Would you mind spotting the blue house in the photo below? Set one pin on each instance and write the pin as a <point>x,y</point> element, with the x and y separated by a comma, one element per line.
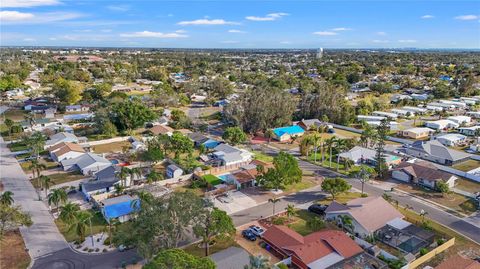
<point>120,207</point>
<point>286,133</point>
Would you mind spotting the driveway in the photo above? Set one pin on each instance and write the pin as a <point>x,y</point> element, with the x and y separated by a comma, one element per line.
<point>240,201</point>
<point>42,237</point>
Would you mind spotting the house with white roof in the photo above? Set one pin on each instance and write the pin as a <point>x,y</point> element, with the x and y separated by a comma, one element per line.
<point>416,133</point>
<point>470,131</point>
<point>87,163</point>
<point>61,137</point>
<point>385,114</point>
<point>231,155</point>
<point>403,112</point>
<point>474,114</point>
<point>451,140</point>
<point>441,124</point>
<point>460,119</point>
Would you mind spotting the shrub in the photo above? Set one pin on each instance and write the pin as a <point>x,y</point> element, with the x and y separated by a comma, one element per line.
<point>282,266</point>
<point>440,241</point>
<point>104,250</point>
<point>279,220</point>
<point>85,249</point>
<point>423,251</point>
<point>106,241</point>
<point>364,195</point>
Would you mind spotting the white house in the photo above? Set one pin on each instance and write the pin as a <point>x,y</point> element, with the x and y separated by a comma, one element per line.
<point>470,131</point>
<point>62,137</point>
<point>441,124</point>
<point>416,110</point>
<point>231,155</point>
<point>64,151</point>
<point>370,118</point>
<point>173,171</point>
<point>474,114</point>
<point>451,140</point>
<point>87,163</point>
<point>460,119</point>
<point>403,113</point>
<point>385,114</point>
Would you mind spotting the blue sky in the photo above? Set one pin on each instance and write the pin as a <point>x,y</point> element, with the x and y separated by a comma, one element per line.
<point>241,24</point>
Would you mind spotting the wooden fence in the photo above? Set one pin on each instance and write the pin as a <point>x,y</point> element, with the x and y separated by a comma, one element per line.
<point>417,262</point>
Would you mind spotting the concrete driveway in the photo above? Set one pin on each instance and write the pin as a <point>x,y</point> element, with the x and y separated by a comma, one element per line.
<point>42,237</point>
<point>240,202</point>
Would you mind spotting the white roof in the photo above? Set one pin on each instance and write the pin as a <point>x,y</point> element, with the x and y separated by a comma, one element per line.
<point>399,223</point>
<point>419,130</point>
<point>460,118</point>
<point>452,137</point>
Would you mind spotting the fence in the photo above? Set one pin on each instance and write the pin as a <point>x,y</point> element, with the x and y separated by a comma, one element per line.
<point>391,138</point>
<point>222,169</point>
<point>417,262</point>
<point>459,173</point>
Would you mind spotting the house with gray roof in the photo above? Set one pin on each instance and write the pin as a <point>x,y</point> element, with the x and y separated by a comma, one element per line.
<point>231,155</point>
<point>87,164</point>
<point>436,152</point>
<point>61,137</point>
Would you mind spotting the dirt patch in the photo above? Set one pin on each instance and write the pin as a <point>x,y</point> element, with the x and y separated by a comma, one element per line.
<point>12,252</point>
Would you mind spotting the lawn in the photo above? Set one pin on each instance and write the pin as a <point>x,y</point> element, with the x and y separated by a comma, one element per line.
<point>467,185</point>
<point>98,225</point>
<point>300,220</point>
<point>112,147</point>
<point>262,156</point>
<point>212,180</point>
<point>307,182</point>
<point>342,198</point>
<point>49,165</point>
<point>326,163</point>
<point>346,134</point>
<point>15,114</point>
<point>467,165</point>
<point>198,250</point>
<point>17,146</point>
<point>454,201</point>
<point>13,253</point>
<point>61,178</point>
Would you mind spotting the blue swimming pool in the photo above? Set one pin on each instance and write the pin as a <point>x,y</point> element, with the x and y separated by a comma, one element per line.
<point>224,177</point>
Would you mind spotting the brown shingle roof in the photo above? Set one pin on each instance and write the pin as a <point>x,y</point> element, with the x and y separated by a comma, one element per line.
<point>423,170</point>
<point>313,246</point>
<point>68,147</point>
<point>161,129</point>
<point>458,262</point>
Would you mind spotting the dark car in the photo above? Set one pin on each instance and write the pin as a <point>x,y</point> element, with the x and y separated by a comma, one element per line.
<point>317,209</point>
<point>248,234</point>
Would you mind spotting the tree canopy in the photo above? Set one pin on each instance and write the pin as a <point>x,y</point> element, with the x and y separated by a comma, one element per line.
<point>178,259</point>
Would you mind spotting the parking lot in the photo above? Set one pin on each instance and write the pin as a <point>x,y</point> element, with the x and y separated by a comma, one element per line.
<point>237,201</point>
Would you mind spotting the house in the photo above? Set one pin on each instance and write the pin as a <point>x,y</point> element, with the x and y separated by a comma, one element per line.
<point>320,249</point>
<point>441,124</point>
<point>419,97</point>
<point>459,262</point>
<point>62,137</point>
<point>451,139</point>
<point>229,155</point>
<point>422,173</point>
<point>368,214</point>
<point>120,208</point>
<point>161,129</point>
<point>65,150</point>
<point>385,114</point>
<point>460,119</point>
<point>403,112</point>
<point>49,113</point>
<point>77,108</point>
<point>286,133</point>
<point>370,118</point>
<point>416,110</point>
<point>393,125</point>
<point>416,133</point>
<point>197,138</point>
<point>87,163</point>
<point>311,124</point>
<point>436,152</point>
<point>231,258</point>
<point>104,182</point>
<point>173,171</point>
<point>474,114</point>
<point>470,131</point>
<point>45,124</point>
<point>359,155</point>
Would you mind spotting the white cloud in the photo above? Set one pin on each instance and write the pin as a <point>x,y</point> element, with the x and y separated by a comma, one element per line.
<point>467,17</point>
<point>341,29</point>
<point>119,8</point>
<point>285,42</point>
<point>148,34</point>
<point>407,41</point>
<point>427,17</point>
<point>380,41</point>
<point>29,39</point>
<point>12,16</point>
<point>52,38</point>
<point>325,33</point>
<point>207,22</point>
<point>15,17</point>
<point>268,17</point>
<point>28,3</point>
<point>230,42</point>
<point>235,31</point>
<point>381,33</point>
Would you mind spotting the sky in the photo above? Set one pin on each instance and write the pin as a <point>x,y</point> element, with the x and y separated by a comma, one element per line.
<point>241,24</point>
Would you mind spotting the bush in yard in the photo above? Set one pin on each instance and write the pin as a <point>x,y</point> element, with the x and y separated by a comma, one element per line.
<point>315,223</point>
<point>440,241</point>
<point>423,251</point>
<point>279,220</point>
<point>104,250</point>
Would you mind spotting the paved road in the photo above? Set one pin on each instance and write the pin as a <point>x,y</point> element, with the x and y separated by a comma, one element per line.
<point>43,236</point>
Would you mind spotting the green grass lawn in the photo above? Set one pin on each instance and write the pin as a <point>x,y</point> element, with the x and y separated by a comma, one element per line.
<point>262,156</point>
<point>467,165</point>
<point>49,165</point>
<point>112,147</point>
<point>342,198</point>
<point>61,178</point>
<point>17,146</point>
<point>212,180</point>
<point>98,225</point>
<point>326,163</point>
<point>467,185</point>
<point>300,220</point>
<point>221,244</point>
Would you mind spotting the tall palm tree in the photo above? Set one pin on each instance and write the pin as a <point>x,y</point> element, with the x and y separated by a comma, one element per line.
<point>258,262</point>
<point>340,147</point>
<point>124,173</point>
<point>330,143</point>
<point>135,173</point>
<point>6,198</point>
<point>316,139</point>
<point>269,135</point>
<point>68,212</point>
<point>46,183</point>
<point>57,197</point>
<point>290,209</point>
<point>305,145</point>
<point>364,176</point>
<point>80,224</point>
<point>36,167</point>
<point>36,142</point>
<point>274,200</point>
<point>423,213</point>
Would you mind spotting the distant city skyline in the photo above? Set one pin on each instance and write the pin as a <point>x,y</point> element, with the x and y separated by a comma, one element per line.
<point>241,24</point>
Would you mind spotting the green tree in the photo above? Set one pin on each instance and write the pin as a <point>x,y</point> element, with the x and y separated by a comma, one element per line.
<point>290,210</point>
<point>335,186</point>
<point>285,172</point>
<point>80,224</point>
<point>46,181</point>
<point>130,114</point>
<point>442,187</point>
<point>380,163</point>
<point>180,143</point>
<point>10,82</point>
<point>57,197</point>
<point>67,91</point>
<point>109,129</point>
<point>68,212</point>
<point>154,176</point>
<point>12,217</point>
<point>274,201</point>
<point>234,135</point>
<point>6,198</point>
<point>258,262</point>
<point>178,259</point>
<point>9,123</point>
<point>315,223</point>
<point>213,222</point>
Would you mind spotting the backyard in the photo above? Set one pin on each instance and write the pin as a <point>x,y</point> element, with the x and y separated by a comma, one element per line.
<point>114,147</point>
<point>300,223</point>
<point>467,165</point>
<point>98,225</point>
<point>212,180</point>
<point>60,178</point>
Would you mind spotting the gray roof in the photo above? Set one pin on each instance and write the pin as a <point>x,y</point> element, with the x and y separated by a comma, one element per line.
<point>435,148</point>
<point>197,137</point>
<point>226,148</point>
<point>173,167</point>
<point>231,258</point>
<point>60,137</point>
<point>85,160</point>
<point>98,184</point>
<point>117,200</point>
<point>108,173</point>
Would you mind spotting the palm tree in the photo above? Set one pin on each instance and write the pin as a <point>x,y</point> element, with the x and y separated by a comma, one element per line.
<point>316,138</point>
<point>80,223</point>
<point>6,198</point>
<point>347,222</point>
<point>274,200</point>
<point>57,197</point>
<point>119,189</point>
<point>9,123</point>
<point>305,145</point>
<point>340,146</point>
<point>68,212</point>
<point>154,177</point>
<point>269,134</point>
<point>36,167</point>
<point>258,262</point>
<point>30,119</point>
<point>364,177</point>
<point>135,173</point>
<point>290,209</point>
<point>36,142</point>
<point>46,183</point>
<point>124,173</point>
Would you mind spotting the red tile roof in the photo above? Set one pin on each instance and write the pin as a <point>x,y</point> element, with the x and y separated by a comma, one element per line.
<point>313,246</point>
<point>458,262</point>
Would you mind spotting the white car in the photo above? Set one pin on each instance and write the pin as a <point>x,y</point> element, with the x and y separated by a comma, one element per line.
<point>257,230</point>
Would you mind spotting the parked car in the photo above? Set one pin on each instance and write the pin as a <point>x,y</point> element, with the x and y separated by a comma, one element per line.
<point>317,209</point>
<point>248,234</point>
<point>257,230</point>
